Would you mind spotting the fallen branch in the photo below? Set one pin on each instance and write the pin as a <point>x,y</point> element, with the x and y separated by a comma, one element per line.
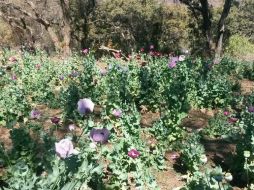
<point>109,49</point>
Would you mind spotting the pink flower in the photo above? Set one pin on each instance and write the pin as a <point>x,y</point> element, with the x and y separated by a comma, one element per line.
<point>133,153</point>
<point>173,62</point>
<point>117,113</point>
<point>85,51</point>
<point>64,148</point>
<point>38,66</point>
<point>152,53</point>
<point>13,77</point>
<point>151,46</point>
<point>142,49</point>
<point>117,55</point>
<point>71,127</point>
<point>158,54</point>
<point>13,59</point>
<point>226,113</point>
<point>181,57</point>
<point>232,120</point>
<point>174,155</point>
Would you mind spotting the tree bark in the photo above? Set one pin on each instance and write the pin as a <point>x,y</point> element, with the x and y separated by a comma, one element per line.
<point>207,24</point>
<point>221,30</point>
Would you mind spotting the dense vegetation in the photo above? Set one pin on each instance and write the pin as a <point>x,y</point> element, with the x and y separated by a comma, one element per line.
<point>106,147</point>
<point>100,94</point>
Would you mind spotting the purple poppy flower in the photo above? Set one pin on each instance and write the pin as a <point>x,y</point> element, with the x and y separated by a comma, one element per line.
<point>232,120</point>
<point>226,113</point>
<point>64,148</point>
<point>251,109</point>
<point>85,51</point>
<point>35,114</point>
<point>85,106</point>
<point>61,77</point>
<point>173,62</point>
<point>117,113</point>
<point>55,120</point>
<point>74,74</point>
<point>100,135</point>
<point>151,47</point>
<point>133,153</point>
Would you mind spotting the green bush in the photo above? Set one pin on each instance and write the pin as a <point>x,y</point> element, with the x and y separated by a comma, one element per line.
<point>134,24</point>
<point>240,47</point>
<point>241,19</point>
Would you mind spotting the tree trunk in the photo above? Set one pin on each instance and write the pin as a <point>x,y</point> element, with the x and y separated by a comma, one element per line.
<point>218,49</point>
<point>207,24</point>
<point>221,29</point>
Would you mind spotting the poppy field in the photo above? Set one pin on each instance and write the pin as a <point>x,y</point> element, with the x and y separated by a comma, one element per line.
<point>87,123</point>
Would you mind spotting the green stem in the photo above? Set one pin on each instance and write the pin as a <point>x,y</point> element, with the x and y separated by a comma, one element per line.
<point>219,186</point>
<point>57,180</point>
<point>82,131</point>
<point>247,172</point>
<point>6,157</point>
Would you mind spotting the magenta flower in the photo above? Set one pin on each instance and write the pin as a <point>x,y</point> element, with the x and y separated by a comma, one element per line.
<point>85,51</point>
<point>100,135</point>
<point>85,106</point>
<point>251,109</point>
<point>151,47</point>
<point>117,113</point>
<point>55,120</point>
<point>226,113</point>
<point>232,120</point>
<point>35,114</point>
<point>64,148</point>
<point>142,49</point>
<point>173,62</point>
<point>133,153</point>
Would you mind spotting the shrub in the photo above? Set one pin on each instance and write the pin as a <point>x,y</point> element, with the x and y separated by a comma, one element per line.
<point>240,47</point>
<point>134,24</point>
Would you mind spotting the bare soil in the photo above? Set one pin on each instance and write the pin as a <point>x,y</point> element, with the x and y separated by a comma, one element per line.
<point>247,86</point>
